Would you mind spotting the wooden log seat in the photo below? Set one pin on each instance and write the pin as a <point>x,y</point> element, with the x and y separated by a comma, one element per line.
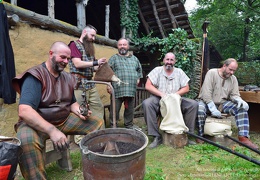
<point>175,140</point>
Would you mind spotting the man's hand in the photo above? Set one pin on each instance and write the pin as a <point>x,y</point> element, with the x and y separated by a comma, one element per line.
<point>241,104</point>
<point>213,110</point>
<point>85,117</point>
<point>101,61</point>
<point>109,90</point>
<point>59,139</point>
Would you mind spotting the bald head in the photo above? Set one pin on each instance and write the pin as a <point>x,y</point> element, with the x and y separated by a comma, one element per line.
<point>58,45</point>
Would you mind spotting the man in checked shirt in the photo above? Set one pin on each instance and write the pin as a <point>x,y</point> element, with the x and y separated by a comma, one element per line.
<point>129,70</point>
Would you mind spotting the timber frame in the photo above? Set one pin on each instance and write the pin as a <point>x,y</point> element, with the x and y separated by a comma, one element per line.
<point>158,17</point>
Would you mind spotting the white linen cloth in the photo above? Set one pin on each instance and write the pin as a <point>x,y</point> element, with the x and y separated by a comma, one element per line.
<point>170,107</point>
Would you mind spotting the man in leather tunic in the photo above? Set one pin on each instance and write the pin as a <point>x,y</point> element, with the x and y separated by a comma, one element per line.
<point>48,109</point>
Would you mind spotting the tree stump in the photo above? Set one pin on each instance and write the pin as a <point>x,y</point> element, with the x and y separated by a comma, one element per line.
<point>175,140</point>
<point>220,139</point>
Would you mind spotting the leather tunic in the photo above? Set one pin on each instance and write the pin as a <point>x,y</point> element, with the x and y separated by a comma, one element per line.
<point>56,96</point>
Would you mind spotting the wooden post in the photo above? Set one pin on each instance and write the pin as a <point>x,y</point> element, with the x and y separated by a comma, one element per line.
<point>51,12</point>
<point>205,53</point>
<point>107,21</point>
<point>81,13</point>
<point>14,2</point>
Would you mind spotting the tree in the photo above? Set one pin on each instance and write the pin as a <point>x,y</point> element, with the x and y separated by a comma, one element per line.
<point>233,26</point>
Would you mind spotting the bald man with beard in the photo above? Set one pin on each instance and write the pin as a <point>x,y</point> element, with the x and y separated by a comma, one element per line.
<point>48,109</point>
<point>129,70</point>
<point>161,81</point>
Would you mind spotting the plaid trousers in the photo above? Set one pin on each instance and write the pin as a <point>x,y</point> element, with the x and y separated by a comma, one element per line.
<point>32,142</point>
<point>241,117</point>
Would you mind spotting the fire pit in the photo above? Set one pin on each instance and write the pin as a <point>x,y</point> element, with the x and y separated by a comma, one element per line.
<point>113,154</point>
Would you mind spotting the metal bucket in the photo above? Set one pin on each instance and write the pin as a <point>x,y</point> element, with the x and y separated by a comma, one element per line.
<point>113,154</point>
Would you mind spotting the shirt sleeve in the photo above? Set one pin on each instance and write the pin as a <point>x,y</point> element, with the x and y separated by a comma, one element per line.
<point>207,87</point>
<point>75,53</point>
<point>31,92</point>
<point>184,79</point>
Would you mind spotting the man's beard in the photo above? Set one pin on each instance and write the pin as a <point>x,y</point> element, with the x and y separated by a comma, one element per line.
<point>89,46</point>
<point>226,75</point>
<point>55,65</point>
<point>123,51</point>
<point>168,66</point>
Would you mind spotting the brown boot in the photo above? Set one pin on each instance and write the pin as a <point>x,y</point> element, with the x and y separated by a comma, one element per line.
<point>247,142</point>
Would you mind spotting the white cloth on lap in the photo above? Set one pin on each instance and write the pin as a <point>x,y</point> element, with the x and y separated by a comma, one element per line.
<point>170,107</point>
<point>217,127</point>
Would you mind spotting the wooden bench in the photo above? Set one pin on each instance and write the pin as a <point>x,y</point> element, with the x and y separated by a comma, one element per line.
<point>62,158</point>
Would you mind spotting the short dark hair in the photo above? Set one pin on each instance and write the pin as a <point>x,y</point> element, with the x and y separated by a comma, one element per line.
<point>91,27</point>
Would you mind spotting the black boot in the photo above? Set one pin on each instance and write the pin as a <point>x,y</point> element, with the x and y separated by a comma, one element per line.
<point>156,142</point>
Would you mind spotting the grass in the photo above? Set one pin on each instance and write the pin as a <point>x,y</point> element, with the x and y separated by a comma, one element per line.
<point>197,162</point>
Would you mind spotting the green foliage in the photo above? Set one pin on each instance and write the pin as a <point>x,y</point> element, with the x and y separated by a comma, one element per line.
<point>248,73</point>
<point>176,42</point>
<point>233,27</point>
<point>183,48</point>
<point>129,17</point>
<point>154,173</point>
<point>147,43</point>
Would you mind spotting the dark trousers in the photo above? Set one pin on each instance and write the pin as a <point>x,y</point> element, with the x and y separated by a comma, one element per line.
<point>128,112</point>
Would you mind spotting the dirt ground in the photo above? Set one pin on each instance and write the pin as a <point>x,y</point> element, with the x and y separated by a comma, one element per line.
<point>31,46</point>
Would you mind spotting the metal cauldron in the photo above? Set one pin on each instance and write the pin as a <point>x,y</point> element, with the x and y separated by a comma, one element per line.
<point>114,154</point>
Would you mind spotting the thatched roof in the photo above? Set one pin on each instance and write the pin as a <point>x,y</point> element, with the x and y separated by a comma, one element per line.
<point>161,16</point>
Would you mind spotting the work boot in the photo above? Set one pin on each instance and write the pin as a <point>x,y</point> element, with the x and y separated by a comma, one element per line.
<point>156,142</point>
<point>246,141</point>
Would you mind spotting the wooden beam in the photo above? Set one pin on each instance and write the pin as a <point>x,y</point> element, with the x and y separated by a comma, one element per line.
<point>57,25</point>
<point>13,20</point>
<point>157,18</point>
<point>146,26</point>
<point>173,20</point>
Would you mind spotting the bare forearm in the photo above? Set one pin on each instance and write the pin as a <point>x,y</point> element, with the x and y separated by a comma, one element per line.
<point>154,91</point>
<point>33,119</point>
<point>183,90</point>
